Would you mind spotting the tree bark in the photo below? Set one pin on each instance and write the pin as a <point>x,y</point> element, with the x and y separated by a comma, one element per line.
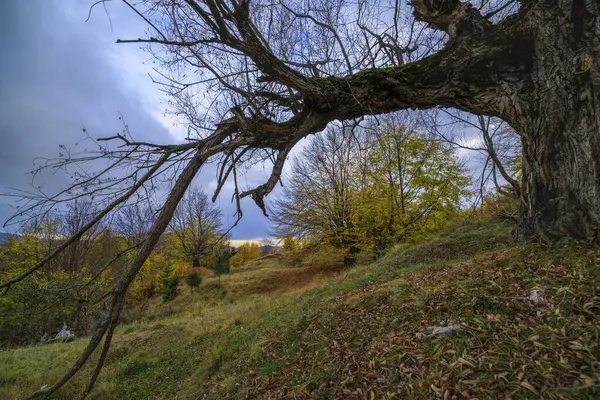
<point>560,125</point>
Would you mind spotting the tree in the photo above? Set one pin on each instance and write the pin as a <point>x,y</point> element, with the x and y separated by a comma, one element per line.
<point>296,87</point>
<point>219,263</point>
<point>319,197</point>
<point>197,225</point>
<point>289,244</point>
<point>193,280</point>
<point>60,225</point>
<point>133,222</point>
<point>69,289</point>
<point>489,136</point>
<point>266,75</point>
<point>412,184</point>
<point>369,188</point>
<point>245,253</point>
<point>168,289</point>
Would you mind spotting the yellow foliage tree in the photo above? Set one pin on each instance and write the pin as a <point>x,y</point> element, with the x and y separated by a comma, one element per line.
<point>289,244</point>
<point>370,189</point>
<point>246,252</point>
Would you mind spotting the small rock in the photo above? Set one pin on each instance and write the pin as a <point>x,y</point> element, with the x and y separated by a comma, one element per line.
<point>536,296</point>
<point>64,335</point>
<point>443,331</point>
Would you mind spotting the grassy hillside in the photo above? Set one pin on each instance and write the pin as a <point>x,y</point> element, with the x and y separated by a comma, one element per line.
<point>528,320</point>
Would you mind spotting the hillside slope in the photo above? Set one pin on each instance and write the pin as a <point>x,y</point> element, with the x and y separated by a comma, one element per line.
<point>527,321</point>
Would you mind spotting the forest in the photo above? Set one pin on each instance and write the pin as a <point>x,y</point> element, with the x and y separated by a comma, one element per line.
<point>392,135</point>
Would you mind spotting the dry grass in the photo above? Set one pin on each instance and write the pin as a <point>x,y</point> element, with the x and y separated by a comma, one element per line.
<point>321,332</point>
<point>154,330</point>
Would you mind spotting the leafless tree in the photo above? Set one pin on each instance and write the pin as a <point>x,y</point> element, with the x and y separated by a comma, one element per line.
<point>251,79</point>
<point>77,215</point>
<point>133,222</point>
<point>197,225</point>
<point>317,199</point>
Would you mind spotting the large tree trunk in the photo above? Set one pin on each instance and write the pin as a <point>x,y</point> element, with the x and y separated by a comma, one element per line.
<point>560,126</point>
<point>561,173</point>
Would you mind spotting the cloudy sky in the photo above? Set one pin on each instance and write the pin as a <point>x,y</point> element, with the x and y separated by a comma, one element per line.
<point>60,73</point>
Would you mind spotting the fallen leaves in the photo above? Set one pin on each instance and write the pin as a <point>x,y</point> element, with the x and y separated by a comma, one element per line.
<point>527,328</point>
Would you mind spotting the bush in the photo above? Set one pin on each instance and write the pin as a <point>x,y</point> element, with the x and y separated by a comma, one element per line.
<point>168,289</point>
<point>193,279</point>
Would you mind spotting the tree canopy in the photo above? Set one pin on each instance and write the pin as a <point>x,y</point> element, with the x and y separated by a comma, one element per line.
<point>369,189</point>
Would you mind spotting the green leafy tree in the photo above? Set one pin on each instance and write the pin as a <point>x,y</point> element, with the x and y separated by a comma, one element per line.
<point>289,244</point>
<point>168,289</point>
<point>219,262</point>
<point>169,282</point>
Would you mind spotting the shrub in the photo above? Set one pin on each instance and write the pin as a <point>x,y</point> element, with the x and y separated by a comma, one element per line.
<point>168,289</point>
<point>193,279</point>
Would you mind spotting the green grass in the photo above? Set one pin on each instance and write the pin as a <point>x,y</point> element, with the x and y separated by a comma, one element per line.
<point>312,332</point>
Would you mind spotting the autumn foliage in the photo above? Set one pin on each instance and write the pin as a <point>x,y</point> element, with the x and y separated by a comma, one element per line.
<point>246,252</point>
<point>365,190</point>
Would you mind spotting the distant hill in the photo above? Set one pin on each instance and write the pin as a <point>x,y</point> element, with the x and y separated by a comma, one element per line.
<point>3,238</point>
<point>268,249</point>
<point>240,242</point>
<point>264,248</point>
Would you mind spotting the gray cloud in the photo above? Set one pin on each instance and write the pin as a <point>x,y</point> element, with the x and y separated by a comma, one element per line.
<point>60,73</point>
